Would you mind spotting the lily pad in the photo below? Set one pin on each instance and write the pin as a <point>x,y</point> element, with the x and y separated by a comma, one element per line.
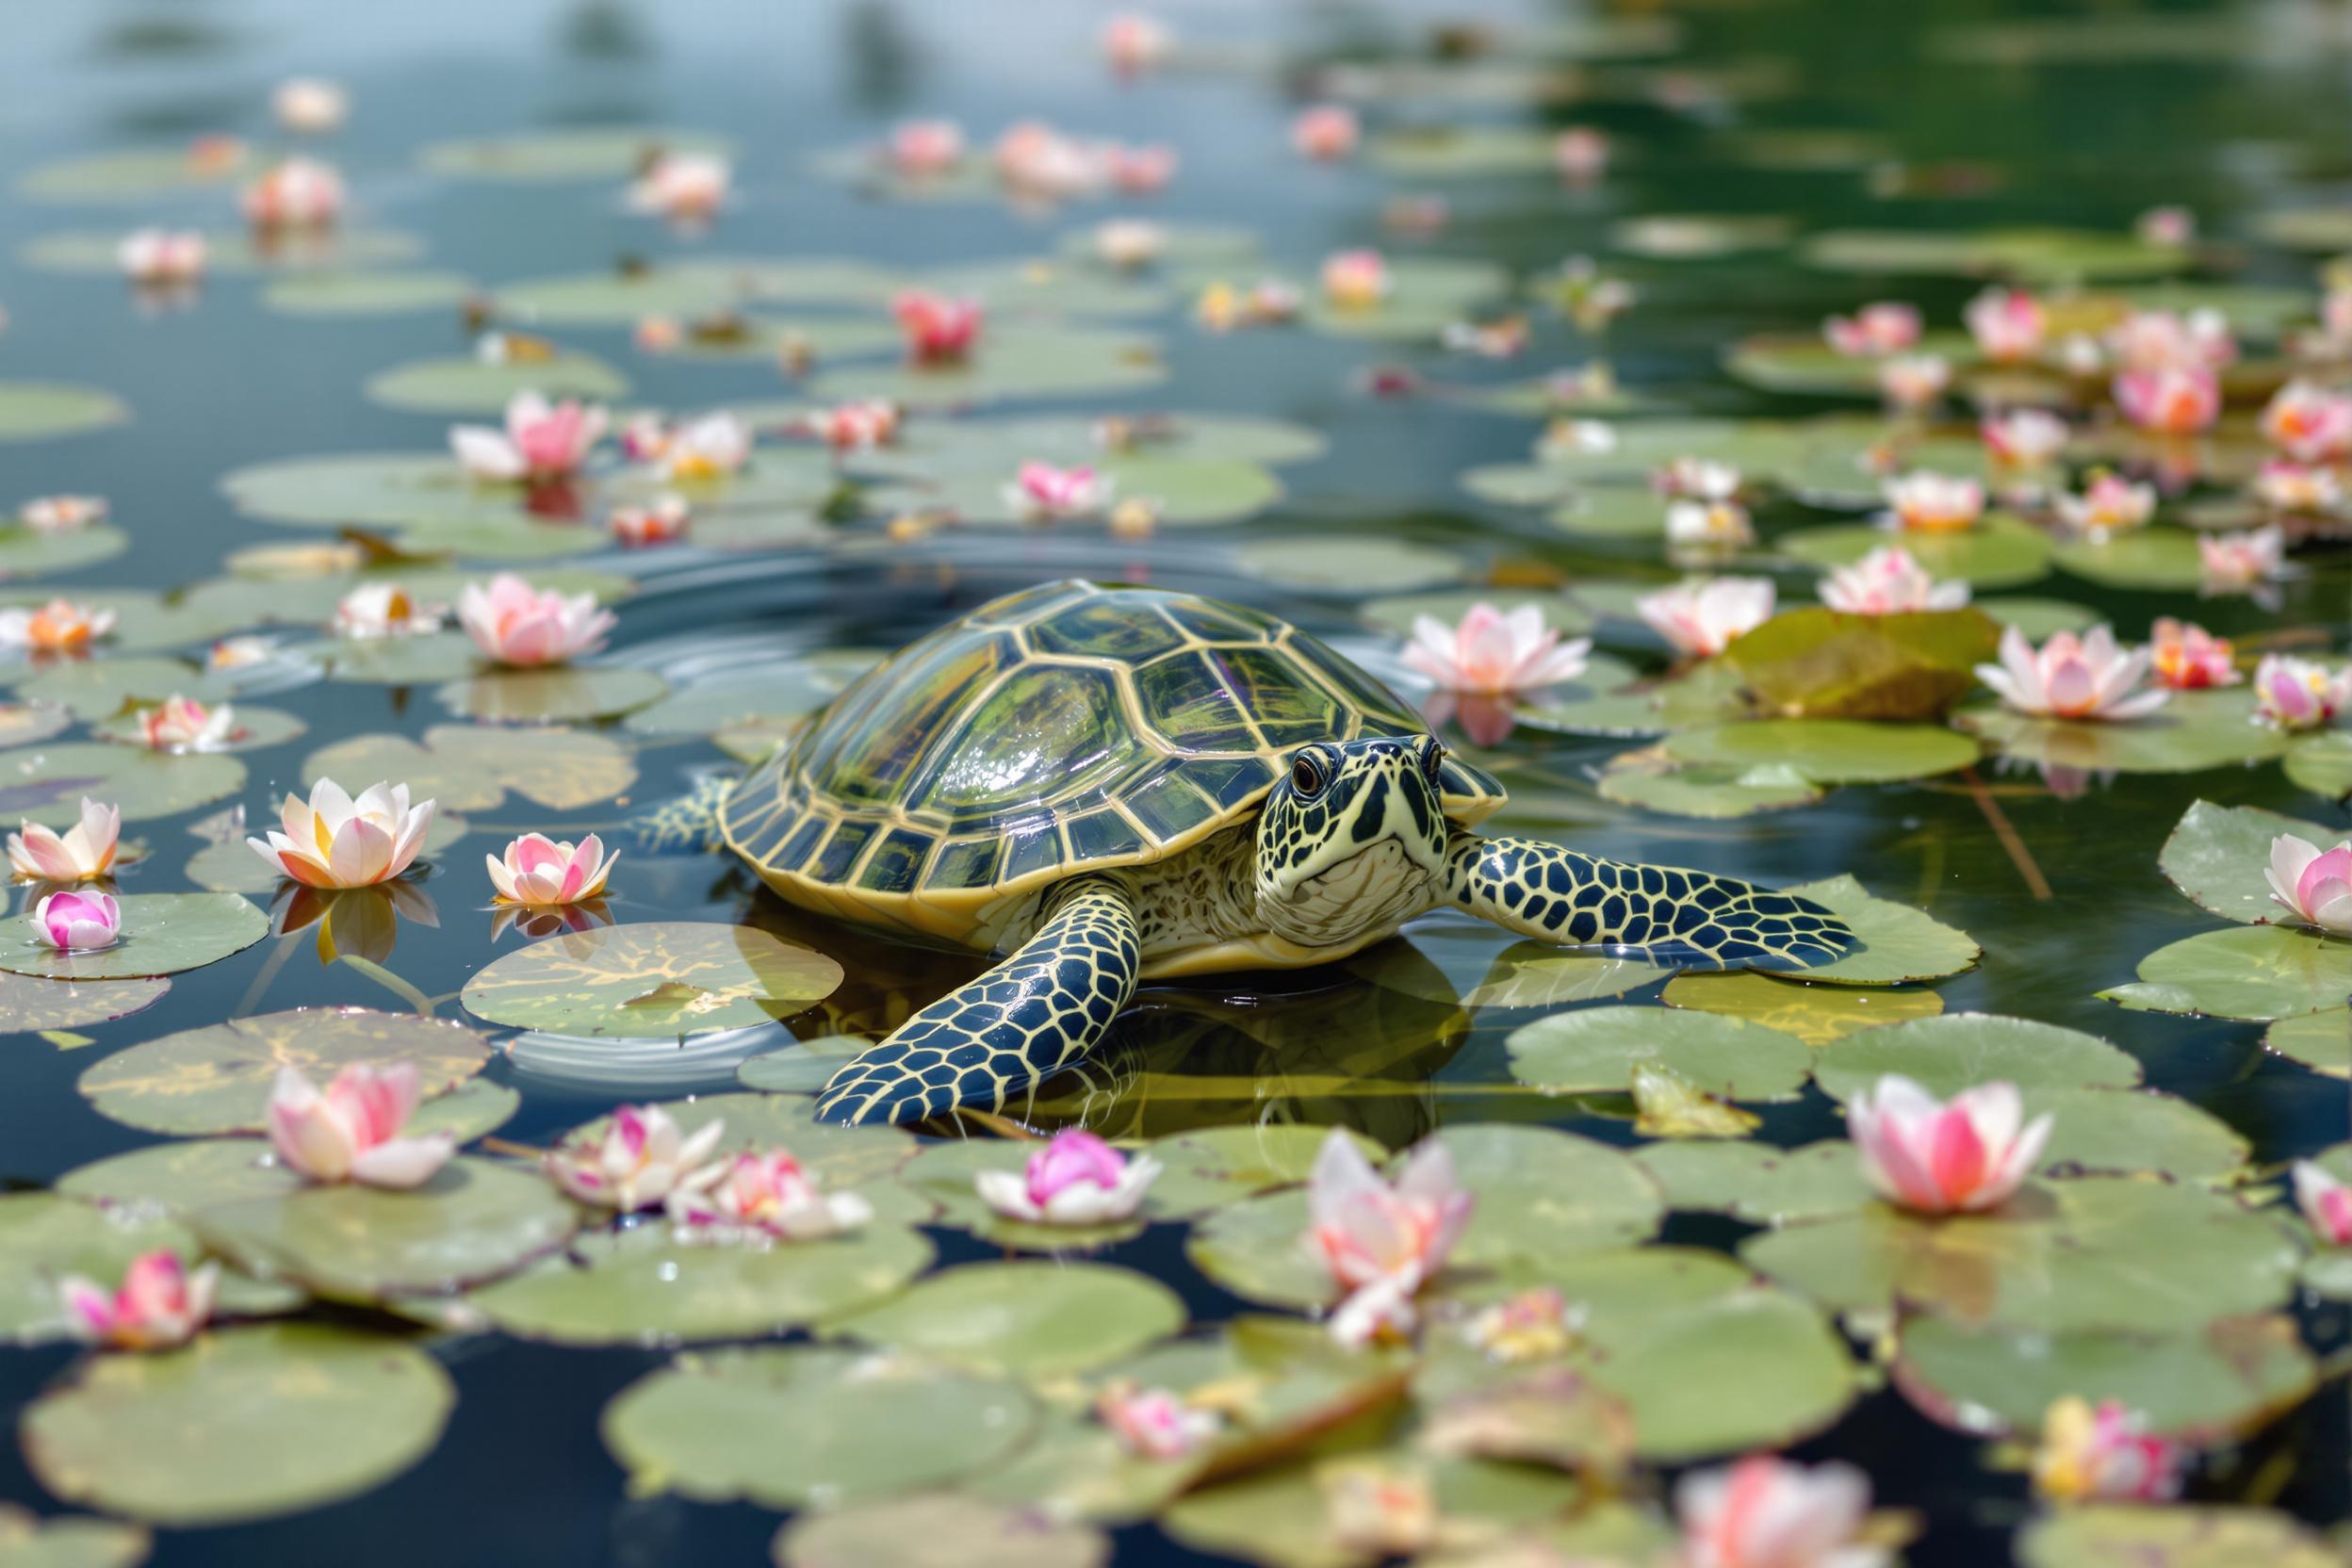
<point>1829,751</point>
<point>40,410</point>
<point>2321,1041</point>
<point>1815,662</point>
<point>467,384</point>
<point>29,1541</point>
<point>2248,971</point>
<point>473,768</point>
<point>1210,1166</point>
<point>1426,294</point>
<point>943,1174</point>
<point>2038,256</point>
<point>1816,1014</point>
<point>2123,1535</point>
<point>2148,558</point>
<point>2322,763</point>
<point>97,252</point>
<point>44,1238</point>
<point>786,1426</point>
<point>132,174</point>
<point>552,696</point>
<point>2194,731</point>
<point>2218,855</point>
<point>217,1078</point>
<point>1364,566</point>
<point>1898,943</point>
<point>2001,551</point>
<point>589,153</point>
<point>1033,1321</point>
<point>1757,1183</point>
<point>942,1531</point>
<point>1961,1050</point>
<point>1596,1049</point>
<point>46,783</point>
<point>1651,781</point>
<point>162,934</point>
<point>29,552</point>
<point>1016,362</point>
<point>240,1424</point>
<point>652,981</point>
<point>28,1004</point>
<point>1792,363</point>
<point>182,1176</point>
<point>366,293</point>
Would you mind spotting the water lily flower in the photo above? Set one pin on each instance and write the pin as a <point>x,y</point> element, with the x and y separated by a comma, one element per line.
<point>1580,154</point>
<point>1129,243</point>
<point>310,105</point>
<point>2165,340</point>
<point>2308,422</point>
<point>2109,504</point>
<point>1930,502</point>
<point>519,626</point>
<point>542,441</point>
<point>2325,1203</point>
<point>1769,1512</point>
<point>1153,1423</point>
<point>1914,381</point>
<point>1134,43</point>
<point>240,653</point>
<point>1534,1324</point>
<point>922,149</point>
<point>856,427</point>
<point>2008,324</point>
<point>2166,225</point>
<point>377,609</point>
<point>1489,653</point>
<point>1381,1312</point>
<point>543,872</point>
<point>2300,694</point>
<point>1697,478</point>
<point>77,921</point>
<point>2297,490</point>
<point>1135,517</point>
<point>1138,170</point>
<point>2104,1455</point>
<point>1326,132</point>
<point>763,1195</point>
<point>2175,401</point>
<point>2187,657</point>
<point>1591,300</point>
<point>1041,165</point>
<point>1873,332</point>
<point>61,513</point>
<point>1699,618</point>
<point>83,853</point>
<point>332,841</point>
<point>938,329</point>
<point>1367,1230</point>
<point>58,626</point>
<point>639,1162</point>
<point>216,153</point>
<point>160,1306</point>
<point>351,1132</point>
<point>162,258</point>
<point>1708,525</point>
<point>1355,280</point>
<point>2228,560</point>
<point>1076,1179</point>
<point>299,193</point>
<point>1888,582</point>
<point>1933,1157</point>
<point>182,723</point>
<point>685,187</point>
<point>1043,493</point>
<point>2024,437</point>
<point>709,448</point>
<point>2073,677</point>
<point>660,521</point>
<point>1378,1511</point>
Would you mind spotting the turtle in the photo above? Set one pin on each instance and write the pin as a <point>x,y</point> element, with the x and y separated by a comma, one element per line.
<point>1104,785</point>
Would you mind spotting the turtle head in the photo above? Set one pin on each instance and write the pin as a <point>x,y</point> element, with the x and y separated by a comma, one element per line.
<point>1352,838</point>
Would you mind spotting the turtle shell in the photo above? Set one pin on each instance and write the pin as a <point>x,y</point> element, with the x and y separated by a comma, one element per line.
<point>1068,727</point>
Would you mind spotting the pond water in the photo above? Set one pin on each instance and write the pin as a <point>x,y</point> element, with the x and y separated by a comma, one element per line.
<point>1756,147</point>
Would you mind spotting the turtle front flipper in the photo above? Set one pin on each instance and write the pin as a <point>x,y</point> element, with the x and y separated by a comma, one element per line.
<point>1539,889</point>
<point>1023,1020</point>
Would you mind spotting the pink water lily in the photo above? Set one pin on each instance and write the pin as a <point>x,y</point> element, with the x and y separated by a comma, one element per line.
<point>377,609</point>
<point>1326,132</point>
<point>936,329</point>
<point>2008,324</point>
<point>2242,560</point>
<point>641,1159</point>
<point>160,1306</point>
<point>1929,502</point>
<point>685,187</point>
<point>333,840</point>
<point>2301,693</point>
<point>59,626</point>
<point>924,149</point>
<point>1702,617</point>
<point>182,723</point>
<point>1534,1324</point>
<point>2325,1203</point>
<point>1355,280</point>
<point>709,448</point>
<point>1367,1230</point>
<point>1043,493</point>
<point>1153,1423</point>
<point>1580,154</point>
<point>2308,422</point>
<point>2109,504</point>
<point>856,427</point>
<point>2104,1454</point>
<point>2166,225</point>
<point>2188,658</point>
<point>768,1195</point>
<point>2169,340</point>
<point>1912,382</point>
<point>1873,332</point>
<point>2024,437</point>
<point>1696,479</point>
<point>1888,582</point>
<point>1493,653</point>
<point>83,853</point>
<point>1936,1157</point>
<point>299,193</point>
<point>1134,43</point>
<point>1040,165</point>
<point>1769,1512</point>
<point>77,921</point>
<point>2297,489</point>
<point>1076,1179</point>
<point>162,258</point>
<point>2312,884</point>
<point>310,105</point>
<point>1138,170</point>
<point>660,521</point>
<point>542,441</point>
<point>351,1131</point>
<point>2172,400</point>
<point>543,872</point>
<point>2068,677</point>
<point>1129,243</point>
<point>61,513</point>
<point>522,627</point>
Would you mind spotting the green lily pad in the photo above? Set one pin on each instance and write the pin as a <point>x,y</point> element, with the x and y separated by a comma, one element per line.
<point>804,1066</point>
<point>366,293</point>
<point>382,489</point>
<point>1036,1320</point>
<point>467,384</point>
<point>644,1287</point>
<point>2110,1130</point>
<point>162,934</point>
<point>1755,1181</point>
<point>1280,1518</point>
<point>1815,662</point>
<point>256,729</point>
<point>688,291</point>
<point>183,1176</point>
<point>1814,1013</point>
<point>1210,1166</point>
<point>1015,362</point>
<point>2259,973</point>
<point>552,696</point>
<point>1792,363</point>
<point>46,783</point>
<point>1898,943</point>
<point>1961,1050</point>
<point>1426,294</point>
<point>785,1426</point>
<point>229,253</point>
<point>2218,855</point>
<point>1596,1049</point>
<point>590,153</point>
<point>1458,151</point>
<point>473,768</point>
<point>132,174</point>
<point>2001,551</point>
<point>788,687</point>
<point>2025,255</point>
<point>472,1221</point>
<point>1438,963</point>
<point>241,1425</point>
<point>2322,763</point>
<point>2194,731</point>
<point>943,1174</point>
<point>2037,618</point>
<point>1700,236</point>
<point>40,410</point>
<point>28,1004</point>
<point>1829,751</point>
<point>2321,1041</point>
<point>1366,566</point>
<point>2123,1535</point>
<point>651,981</point>
<point>2148,558</point>
<point>44,1238</point>
<point>217,1078</point>
<point>1650,781</point>
<point>939,1531</point>
<point>26,552</point>
<point>29,1541</point>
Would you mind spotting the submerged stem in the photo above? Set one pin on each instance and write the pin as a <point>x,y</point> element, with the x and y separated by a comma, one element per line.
<point>2019,855</point>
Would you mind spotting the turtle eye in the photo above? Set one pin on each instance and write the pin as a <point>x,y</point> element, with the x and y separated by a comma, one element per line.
<point>1433,760</point>
<point>1306,775</point>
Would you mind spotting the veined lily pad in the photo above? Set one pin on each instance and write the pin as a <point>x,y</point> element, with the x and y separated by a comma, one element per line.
<point>217,1078</point>
<point>1312,565</point>
<point>1757,1183</point>
<point>784,1427</point>
<point>2216,854</point>
<point>240,1424</point>
<point>939,1531</point>
<point>2321,1041</point>
<point>1596,1049</point>
<point>26,1002</point>
<point>366,293</point>
<point>1033,1320</point>
<point>1961,1050</point>
<point>658,980</point>
<point>2149,559</point>
<point>1654,782</point>
<point>1210,1166</point>
<point>182,1176</point>
<point>2001,551</point>
<point>467,384</point>
<point>472,768</point>
<point>1815,662</point>
<point>2250,971</point>
<point>46,783</point>
<point>552,696</point>
<point>599,152</point>
<point>2194,731</point>
<point>1816,1014</point>
<point>38,411</point>
<point>1829,751</point>
<point>1900,943</point>
<point>162,934</point>
<point>2111,1535</point>
<point>2322,763</point>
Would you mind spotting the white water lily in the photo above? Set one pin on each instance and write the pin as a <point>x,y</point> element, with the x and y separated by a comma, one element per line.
<point>639,1161</point>
<point>83,853</point>
<point>2073,677</point>
<point>1888,582</point>
<point>333,840</point>
<point>2311,884</point>
<point>1699,618</point>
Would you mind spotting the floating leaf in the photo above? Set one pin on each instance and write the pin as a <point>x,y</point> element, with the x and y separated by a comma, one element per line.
<point>2322,763</point>
<point>43,1238</point>
<point>2126,1535</point>
<point>1700,236</point>
<point>1597,1049</point>
<point>26,1002</point>
<point>1396,612</point>
<point>257,729</point>
<point>2218,855</point>
<point>46,783</point>
<point>1210,1166</point>
<point>1654,782</point>
<point>557,694</point>
<point>471,768</point>
<point>651,981</point>
<point>292,1416</point>
<point>2250,971</point>
<point>940,1530</point>
<point>1281,1517</point>
<point>1962,1049</point>
<point>591,153</point>
<point>1666,1104</point>
<point>1795,363</point>
<point>1815,663</point>
<point>943,1172</point>
<point>1366,566</point>
<point>1033,1320</point>
<point>1015,362</point>
<point>1523,974</point>
<point>2321,1041</point>
<point>467,384</point>
<point>183,1176</point>
<point>29,552</point>
<point>97,252</point>
<point>40,410</point>
<point>1757,1183</point>
<point>162,934</point>
<point>217,1078</point>
<point>1816,1014</point>
<point>365,293</point>
<point>1829,751</point>
<point>29,1541</point>
<point>2039,256</point>
<point>134,174</point>
<point>2149,559</point>
<point>2194,731</point>
<point>1426,294</point>
<point>1898,943</point>
<point>2001,551</point>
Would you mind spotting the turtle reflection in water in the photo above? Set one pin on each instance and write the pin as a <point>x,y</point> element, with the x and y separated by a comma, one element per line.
<point>1111,785</point>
